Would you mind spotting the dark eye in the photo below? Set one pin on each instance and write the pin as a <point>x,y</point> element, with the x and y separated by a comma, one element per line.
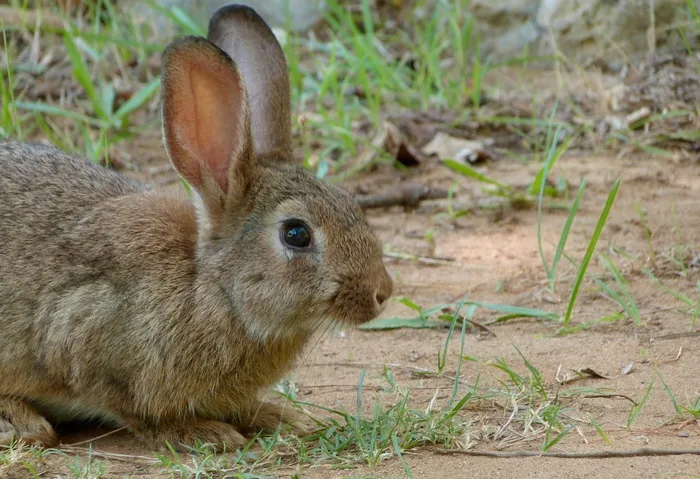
<point>296,235</point>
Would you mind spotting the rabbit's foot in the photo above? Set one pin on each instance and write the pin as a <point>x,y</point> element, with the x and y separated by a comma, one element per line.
<point>267,417</point>
<point>184,435</point>
<point>20,421</point>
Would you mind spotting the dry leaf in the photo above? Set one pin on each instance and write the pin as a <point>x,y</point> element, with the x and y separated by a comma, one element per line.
<point>459,149</point>
<point>638,115</point>
<point>397,145</point>
<point>628,369</point>
<point>592,373</point>
<point>578,374</point>
<point>390,139</point>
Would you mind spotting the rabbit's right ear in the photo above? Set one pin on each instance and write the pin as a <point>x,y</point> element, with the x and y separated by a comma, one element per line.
<point>248,40</point>
<point>206,125</point>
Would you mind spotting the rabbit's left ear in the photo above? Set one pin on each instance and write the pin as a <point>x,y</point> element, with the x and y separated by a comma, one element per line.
<point>247,39</point>
<point>206,126</point>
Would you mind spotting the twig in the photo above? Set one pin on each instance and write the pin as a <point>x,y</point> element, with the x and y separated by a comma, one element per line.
<point>481,327</point>
<point>420,259</point>
<point>609,396</point>
<point>109,455</point>
<point>677,336</point>
<point>360,364</point>
<point>574,455</point>
<point>92,439</point>
<point>409,196</point>
<point>354,386</point>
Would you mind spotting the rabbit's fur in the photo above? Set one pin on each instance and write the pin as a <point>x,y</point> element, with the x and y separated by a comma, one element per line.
<point>128,305</point>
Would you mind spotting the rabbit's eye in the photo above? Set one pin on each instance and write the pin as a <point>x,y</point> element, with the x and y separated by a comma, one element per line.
<point>296,235</point>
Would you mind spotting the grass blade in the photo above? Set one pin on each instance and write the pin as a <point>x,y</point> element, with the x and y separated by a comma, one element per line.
<point>138,99</point>
<point>599,428</point>
<point>82,74</point>
<point>472,173</point>
<point>549,444</point>
<point>591,249</point>
<point>670,393</point>
<point>397,448</point>
<point>565,233</point>
<point>627,303</point>
<point>180,18</point>
<point>637,408</point>
<point>54,110</point>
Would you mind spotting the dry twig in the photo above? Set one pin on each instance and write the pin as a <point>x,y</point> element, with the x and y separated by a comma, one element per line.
<point>645,451</point>
<point>409,196</point>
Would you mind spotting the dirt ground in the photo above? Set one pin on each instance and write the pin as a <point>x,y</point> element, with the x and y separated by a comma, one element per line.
<point>495,259</point>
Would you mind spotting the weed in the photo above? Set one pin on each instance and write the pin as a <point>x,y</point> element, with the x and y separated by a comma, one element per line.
<point>590,250</point>
<point>637,408</point>
<point>621,295</point>
<point>432,318</point>
<point>690,409</point>
<point>87,468</point>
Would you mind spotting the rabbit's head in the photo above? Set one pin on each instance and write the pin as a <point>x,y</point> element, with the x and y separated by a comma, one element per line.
<point>288,251</point>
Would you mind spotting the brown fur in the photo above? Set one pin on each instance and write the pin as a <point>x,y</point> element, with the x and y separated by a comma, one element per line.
<point>130,306</point>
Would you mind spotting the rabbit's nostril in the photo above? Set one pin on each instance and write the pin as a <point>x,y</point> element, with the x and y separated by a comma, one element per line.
<point>380,298</point>
<point>383,292</point>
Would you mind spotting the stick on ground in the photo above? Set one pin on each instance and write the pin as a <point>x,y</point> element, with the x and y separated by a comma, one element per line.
<point>408,196</point>
<point>574,455</point>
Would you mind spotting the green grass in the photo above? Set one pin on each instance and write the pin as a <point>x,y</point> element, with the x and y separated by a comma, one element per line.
<point>355,77</point>
<point>94,117</point>
<point>589,252</point>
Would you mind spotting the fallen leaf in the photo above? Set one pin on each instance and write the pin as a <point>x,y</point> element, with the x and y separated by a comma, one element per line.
<point>445,146</point>
<point>390,139</point>
<point>578,374</point>
<point>636,116</point>
<point>398,323</point>
<point>628,369</point>
<point>592,373</point>
<point>397,145</point>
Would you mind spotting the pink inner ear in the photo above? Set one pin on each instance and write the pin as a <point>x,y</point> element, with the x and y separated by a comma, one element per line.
<point>206,111</point>
<point>215,122</point>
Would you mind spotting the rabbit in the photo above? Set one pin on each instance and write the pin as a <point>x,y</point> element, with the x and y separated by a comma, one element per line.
<point>168,315</point>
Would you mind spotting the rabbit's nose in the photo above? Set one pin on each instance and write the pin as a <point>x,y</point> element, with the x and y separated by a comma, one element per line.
<point>384,290</point>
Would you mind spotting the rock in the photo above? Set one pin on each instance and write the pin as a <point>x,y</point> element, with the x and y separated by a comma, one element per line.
<point>582,30</point>
<point>303,14</point>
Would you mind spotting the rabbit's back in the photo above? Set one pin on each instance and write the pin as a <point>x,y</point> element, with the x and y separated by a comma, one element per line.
<point>45,197</point>
<point>41,187</point>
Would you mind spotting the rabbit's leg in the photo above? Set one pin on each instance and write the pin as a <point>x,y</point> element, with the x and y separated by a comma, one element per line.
<point>266,417</point>
<point>183,434</point>
<point>20,421</point>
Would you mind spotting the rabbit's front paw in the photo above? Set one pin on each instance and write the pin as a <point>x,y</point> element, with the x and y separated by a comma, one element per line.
<point>19,421</point>
<point>267,417</point>
<point>182,436</point>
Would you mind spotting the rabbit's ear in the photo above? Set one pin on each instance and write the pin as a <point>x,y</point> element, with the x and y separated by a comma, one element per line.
<point>246,38</point>
<point>206,127</point>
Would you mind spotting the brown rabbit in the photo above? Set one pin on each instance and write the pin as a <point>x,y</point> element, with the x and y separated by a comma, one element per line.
<point>127,305</point>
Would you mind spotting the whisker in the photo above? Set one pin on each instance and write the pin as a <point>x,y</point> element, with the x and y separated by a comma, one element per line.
<point>314,330</point>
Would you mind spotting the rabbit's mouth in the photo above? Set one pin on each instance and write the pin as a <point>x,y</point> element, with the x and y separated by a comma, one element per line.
<point>352,308</point>
<point>358,301</point>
